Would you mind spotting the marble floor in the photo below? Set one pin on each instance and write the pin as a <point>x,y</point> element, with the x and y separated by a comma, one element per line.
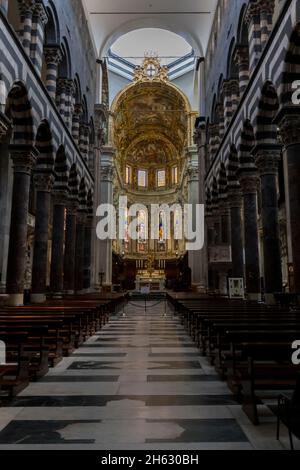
<point>139,383</point>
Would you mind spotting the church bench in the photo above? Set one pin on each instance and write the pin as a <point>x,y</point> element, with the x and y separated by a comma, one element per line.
<point>52,337</point>
<point>262,367</point>
<point>14,375</point>
<point>35,347</point>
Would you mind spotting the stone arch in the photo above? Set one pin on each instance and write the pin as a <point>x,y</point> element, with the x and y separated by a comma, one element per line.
<point>242,31</point>
<point>52,29</point>
<point>232,69</point>
<point>65,66</point>
<point>19,110</point>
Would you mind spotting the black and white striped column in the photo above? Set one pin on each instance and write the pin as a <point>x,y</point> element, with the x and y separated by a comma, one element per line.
<point>80,228</point>
<point>266,20</point>
<point>252,18</point>
<point>60,191</point>
<point>39,21</point>
<point>84,141</point>
<point>227,103</point>
<point>70,243</point>
<point>78,111</point>
<point>61,96</point>
<point>88,241</point>
<point>235,97</point>
<point>53,57</point>
<point>69,102</point>
<point>26,8</point>
<point>242,60</point>
<point>267,160</point>
<point>235,205</point>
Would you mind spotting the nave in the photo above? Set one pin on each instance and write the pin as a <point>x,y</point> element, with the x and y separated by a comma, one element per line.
<point>138,383</point>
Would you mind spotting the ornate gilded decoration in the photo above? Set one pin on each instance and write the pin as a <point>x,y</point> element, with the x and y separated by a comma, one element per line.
<point>151,71</point>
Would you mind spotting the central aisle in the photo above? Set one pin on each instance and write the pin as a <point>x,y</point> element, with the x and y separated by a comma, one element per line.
<point>138,384</point>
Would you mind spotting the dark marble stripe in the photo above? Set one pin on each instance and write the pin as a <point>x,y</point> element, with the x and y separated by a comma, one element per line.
<point>97,365</point>
<point>204,430</point>
<point>78,353</point>
<point>103,400</point>
<point>79,378</point>
<point>183,355</point>
<point>183,378</point>
<point>40,432</point>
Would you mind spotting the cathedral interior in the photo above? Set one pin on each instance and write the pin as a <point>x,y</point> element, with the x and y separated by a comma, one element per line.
<point>149,225</point>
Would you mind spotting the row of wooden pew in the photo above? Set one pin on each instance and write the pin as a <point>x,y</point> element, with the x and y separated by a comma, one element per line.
<point>37,337</point>
<point>250,344</point>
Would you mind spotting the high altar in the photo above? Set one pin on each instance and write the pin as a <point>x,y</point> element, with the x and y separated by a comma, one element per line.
<point>151,280</point>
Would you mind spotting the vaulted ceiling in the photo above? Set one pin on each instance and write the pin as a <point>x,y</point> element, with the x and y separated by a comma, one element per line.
<point>110,19</point>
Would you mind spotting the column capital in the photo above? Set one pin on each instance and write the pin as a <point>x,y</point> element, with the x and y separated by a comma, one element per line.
<point>267,160</point>
<point>267,6</point>
<point>249,184</point>
<point>107,173</point>
<point>252,10</point>
<point>53,54</point>
<point>40,12</point>
<point>192,173</point>
<point>226,87</point>
<point>43,182</point>
<point>72,207</point>
<point>241,55</point>
<point>289,125</point>
<point>26,6</point>
<point>235,198</point>
<point>59,197</point>
<point>62,84</point>
<point>24,158</point>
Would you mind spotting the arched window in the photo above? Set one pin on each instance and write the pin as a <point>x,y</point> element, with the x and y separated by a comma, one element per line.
<point>142,227</point>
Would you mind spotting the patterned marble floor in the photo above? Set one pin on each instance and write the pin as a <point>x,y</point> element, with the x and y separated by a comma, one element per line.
<point>137,384</point>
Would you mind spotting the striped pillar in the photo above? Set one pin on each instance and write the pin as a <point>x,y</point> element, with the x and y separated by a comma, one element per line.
<point>4,6</point>
<point>69,103</point>
<point>84,141</point>
<point>241,58</point>
<point>60,190</point>
<point>267,160</point>
<point>220,117</point>
<point>227,103</point>
<point>252,18</point>
<point>39,20</point>
<point>235,205</point>
<point>71,223</point>
<point>223,205</point>
<point>235,97</point>
<point>61,96</point>
<point>78,111</point>
<point>81,222</point>
<point>88,241</point>
<point>26,8</point>
<point>215,211</point>
<point>53,56</point>
<point>266,20</point>
<point>214,139</point>
<point>248,177</point>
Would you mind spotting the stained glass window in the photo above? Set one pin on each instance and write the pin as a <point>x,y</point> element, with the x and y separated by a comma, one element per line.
<point>142,178</point>
<point>142,226</point>
<point>161,227</point>
<point>161,178</point>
